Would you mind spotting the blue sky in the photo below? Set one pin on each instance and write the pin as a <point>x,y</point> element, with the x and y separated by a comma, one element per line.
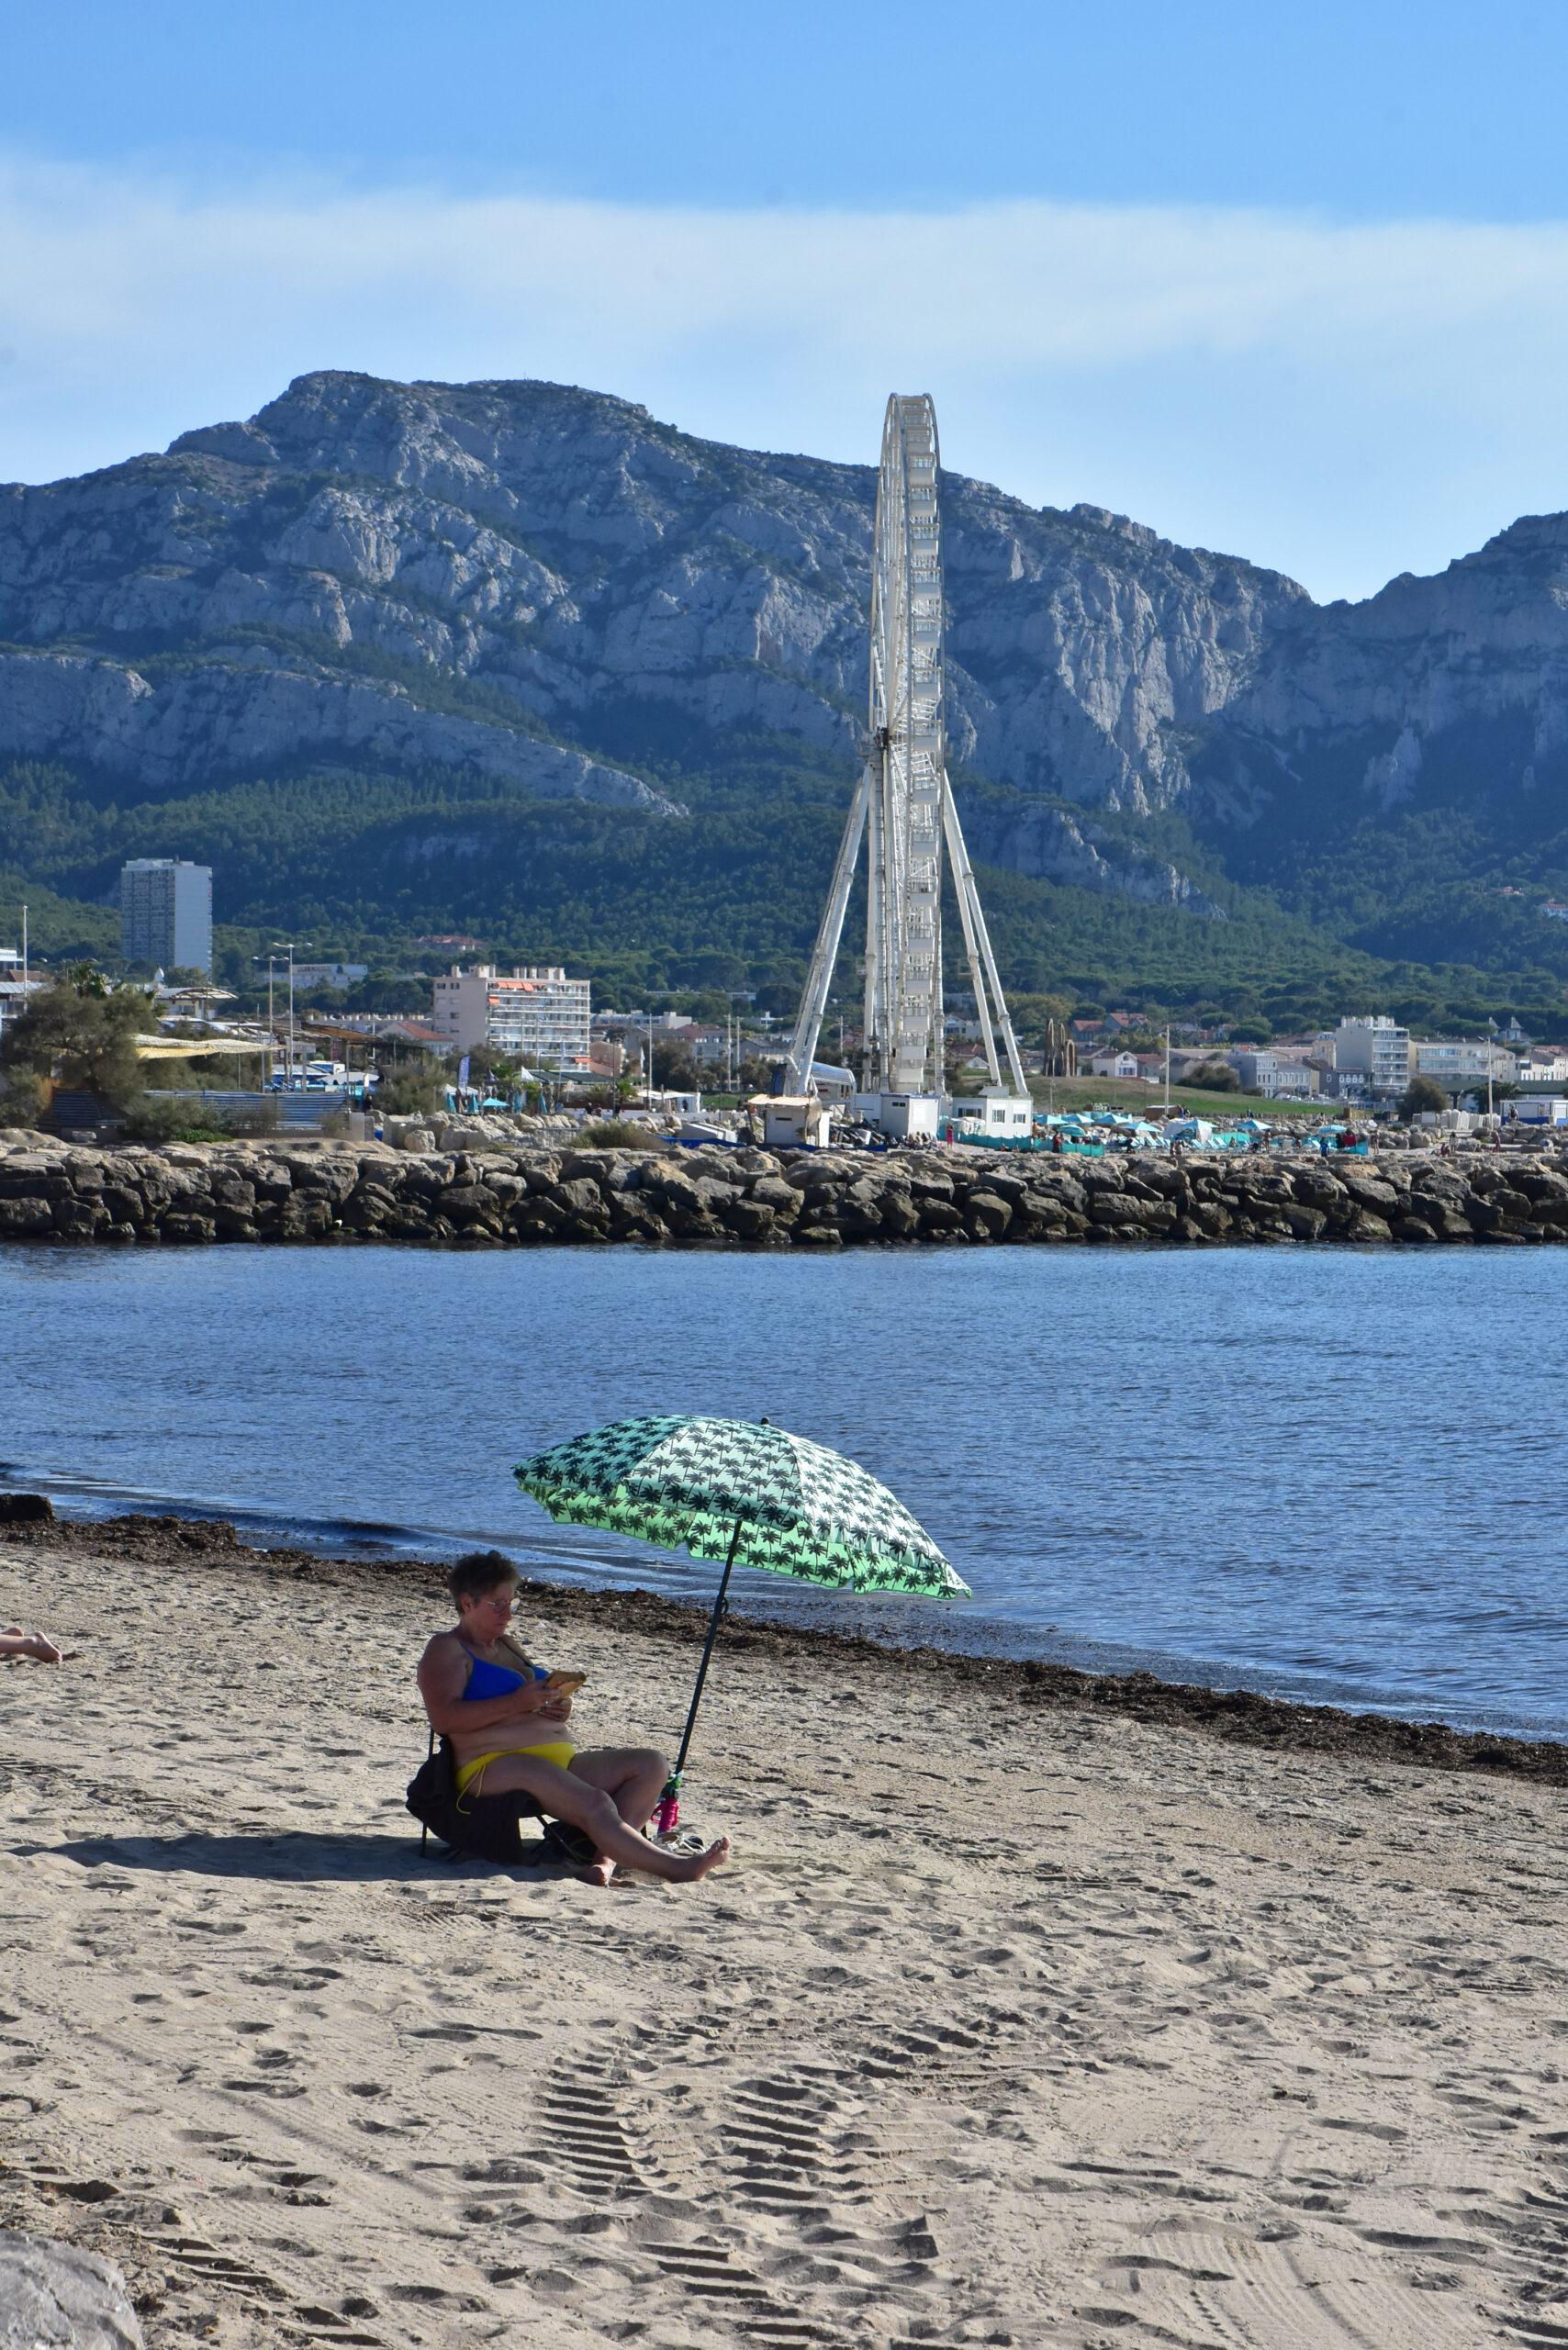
<point>1291,281</point>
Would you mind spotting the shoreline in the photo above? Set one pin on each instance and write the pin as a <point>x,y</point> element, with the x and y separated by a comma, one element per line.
<point>1235,1717</point>
<point>343,1194</point>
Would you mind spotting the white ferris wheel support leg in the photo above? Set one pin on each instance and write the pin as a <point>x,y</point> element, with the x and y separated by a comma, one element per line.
<point>968,909</point>
<point>873,1071</point>
<point>968,897</point>
<point>824,955</point>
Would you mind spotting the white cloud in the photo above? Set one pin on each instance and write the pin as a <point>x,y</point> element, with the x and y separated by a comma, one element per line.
<point>1341,400</point>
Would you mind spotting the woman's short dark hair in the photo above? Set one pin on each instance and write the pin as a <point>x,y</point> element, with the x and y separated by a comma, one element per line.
<point>479,1572</point>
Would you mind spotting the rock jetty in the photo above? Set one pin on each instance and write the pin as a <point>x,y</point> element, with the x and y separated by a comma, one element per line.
<point>524,1197</point>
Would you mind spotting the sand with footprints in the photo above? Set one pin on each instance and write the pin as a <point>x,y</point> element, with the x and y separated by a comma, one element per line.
<point>1006,2024</point>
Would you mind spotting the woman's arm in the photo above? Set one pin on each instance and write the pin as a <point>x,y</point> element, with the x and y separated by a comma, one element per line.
<point>555,1704</point>
<point>443,1677</point>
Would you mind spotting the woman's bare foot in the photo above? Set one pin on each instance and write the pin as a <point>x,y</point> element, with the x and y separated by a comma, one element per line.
<point>16,1642</point>
<point>686,1869</point>
<point>686,1872</point>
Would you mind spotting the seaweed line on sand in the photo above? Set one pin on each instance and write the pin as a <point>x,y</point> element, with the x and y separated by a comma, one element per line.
<point>1240,1716</point>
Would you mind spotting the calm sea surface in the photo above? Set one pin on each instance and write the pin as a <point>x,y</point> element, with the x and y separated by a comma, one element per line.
<point>1335,1474</point>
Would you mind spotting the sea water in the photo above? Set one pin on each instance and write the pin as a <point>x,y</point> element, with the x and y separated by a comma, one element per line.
<point>1336,1474</point>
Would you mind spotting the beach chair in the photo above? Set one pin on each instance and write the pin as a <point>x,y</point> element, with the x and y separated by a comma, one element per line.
<point>486,1828</point>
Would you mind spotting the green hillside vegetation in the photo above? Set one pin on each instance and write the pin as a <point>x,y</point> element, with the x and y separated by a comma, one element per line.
<point>361,864</point>
<point>1452,882</point>
<point>1374,815</point>
<point>58,928</point>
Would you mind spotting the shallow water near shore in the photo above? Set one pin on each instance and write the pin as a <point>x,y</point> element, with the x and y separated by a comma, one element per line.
<point>1331,1474</point>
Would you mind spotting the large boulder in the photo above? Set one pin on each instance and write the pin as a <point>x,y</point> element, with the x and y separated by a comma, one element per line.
<point>1109,1212</point>
<point>989,1215</point>
<point>1371,1193</point>
<point>24,1218</point>
<point>772,1191</point>
<point>53,2297</point>
<point>1316,1188</point>
<point>901,1217</point>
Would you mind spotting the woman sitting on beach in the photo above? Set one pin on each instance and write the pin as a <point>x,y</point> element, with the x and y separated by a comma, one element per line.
<point>507,1731</point>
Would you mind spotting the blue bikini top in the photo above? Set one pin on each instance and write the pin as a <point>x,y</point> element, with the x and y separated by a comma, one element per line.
<point>488,1680</point>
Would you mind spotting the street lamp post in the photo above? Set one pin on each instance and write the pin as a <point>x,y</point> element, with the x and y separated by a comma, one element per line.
<point>283,945</point>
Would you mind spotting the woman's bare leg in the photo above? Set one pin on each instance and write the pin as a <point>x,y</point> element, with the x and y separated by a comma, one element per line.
<point>14,1641</point>
<point>632,1777</point>
<point>567,1794</point>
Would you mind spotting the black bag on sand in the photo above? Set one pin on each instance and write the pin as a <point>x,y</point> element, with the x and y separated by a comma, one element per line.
<point>486,1825</point>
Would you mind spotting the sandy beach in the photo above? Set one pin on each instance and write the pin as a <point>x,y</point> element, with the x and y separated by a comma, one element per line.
<point>1017,2018</point>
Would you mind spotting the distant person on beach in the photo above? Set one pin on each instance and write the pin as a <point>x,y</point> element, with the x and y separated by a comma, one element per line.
<point>508,1730</point>
<point>14,1641</point>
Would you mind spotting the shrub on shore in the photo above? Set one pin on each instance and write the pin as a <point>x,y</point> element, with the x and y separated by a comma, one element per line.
<point>178,1117</point>
<point>1421,1093</point>
<point>80,1031</point>
<point>1216,1077</point>
<point>412,1089</point>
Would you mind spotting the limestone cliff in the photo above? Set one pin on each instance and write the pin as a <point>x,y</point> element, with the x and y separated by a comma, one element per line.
<point>516,581</point>
<point>1455,686</point>
<point>370,573</point>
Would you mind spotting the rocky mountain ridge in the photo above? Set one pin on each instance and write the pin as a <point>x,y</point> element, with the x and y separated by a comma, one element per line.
<point>535,588</point>
<point>524,554</point>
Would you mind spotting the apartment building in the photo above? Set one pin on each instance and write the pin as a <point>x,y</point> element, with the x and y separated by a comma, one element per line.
<point>1276,1076</point>
<point>1375,1045</point>
<point>13,989</point>
<point>1340,1084</point>
<point>1458,1064</point>
<point>537,1015</point>
<point>307,976</point>
<point>165,913</point>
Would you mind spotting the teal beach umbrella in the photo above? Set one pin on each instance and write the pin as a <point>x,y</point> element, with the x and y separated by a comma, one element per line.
<point>744,1492</point>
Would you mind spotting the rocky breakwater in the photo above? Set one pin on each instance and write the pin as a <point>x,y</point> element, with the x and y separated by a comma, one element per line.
<point>532,1196</point>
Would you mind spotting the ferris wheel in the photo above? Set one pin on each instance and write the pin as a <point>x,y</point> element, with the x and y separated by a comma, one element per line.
<point>903,805</point>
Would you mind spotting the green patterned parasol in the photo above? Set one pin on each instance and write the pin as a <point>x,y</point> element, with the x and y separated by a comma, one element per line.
<point>737,1489</point>
<point>746,1493</point>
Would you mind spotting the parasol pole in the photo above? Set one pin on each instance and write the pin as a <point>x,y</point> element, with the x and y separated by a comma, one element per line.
<point>668,1809</point>
<point>708,1651</point>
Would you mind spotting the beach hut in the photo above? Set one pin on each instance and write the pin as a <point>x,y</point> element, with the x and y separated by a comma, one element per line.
<point>791,1121</point>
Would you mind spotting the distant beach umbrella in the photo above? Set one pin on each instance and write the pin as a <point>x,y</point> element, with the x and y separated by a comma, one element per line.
<point>744,1492</point>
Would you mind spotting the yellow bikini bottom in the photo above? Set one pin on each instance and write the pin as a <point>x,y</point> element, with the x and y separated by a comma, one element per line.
<point>472,1775</point>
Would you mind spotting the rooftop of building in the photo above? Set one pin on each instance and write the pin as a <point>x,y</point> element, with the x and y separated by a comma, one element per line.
<point>521,975</point>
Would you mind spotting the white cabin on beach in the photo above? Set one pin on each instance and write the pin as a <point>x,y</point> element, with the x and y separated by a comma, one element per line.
<point>792,1121</point>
